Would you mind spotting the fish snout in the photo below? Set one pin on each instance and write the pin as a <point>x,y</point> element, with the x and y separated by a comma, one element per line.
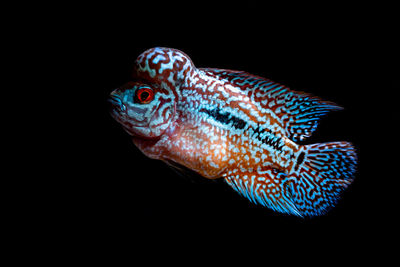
<point>116,103</point>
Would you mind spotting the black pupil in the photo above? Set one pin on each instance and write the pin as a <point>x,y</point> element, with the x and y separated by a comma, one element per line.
<point>144,95</point>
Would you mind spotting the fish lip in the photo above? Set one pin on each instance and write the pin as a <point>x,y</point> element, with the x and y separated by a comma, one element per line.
<point>116,103</point>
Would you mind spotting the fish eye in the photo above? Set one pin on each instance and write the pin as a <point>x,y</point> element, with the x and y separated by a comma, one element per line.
<point>144,95</point>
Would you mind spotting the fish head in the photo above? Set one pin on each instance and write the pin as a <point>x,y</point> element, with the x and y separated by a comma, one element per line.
<point>142,109</point>
<point>146,106</point>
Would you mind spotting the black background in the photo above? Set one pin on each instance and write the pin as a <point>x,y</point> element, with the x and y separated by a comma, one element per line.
<point>106,192</point>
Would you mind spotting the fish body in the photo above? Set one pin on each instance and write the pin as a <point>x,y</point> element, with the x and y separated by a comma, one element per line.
<point>235,126</point>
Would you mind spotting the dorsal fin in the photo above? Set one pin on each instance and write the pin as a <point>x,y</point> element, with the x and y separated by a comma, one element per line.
<point>298,112</point>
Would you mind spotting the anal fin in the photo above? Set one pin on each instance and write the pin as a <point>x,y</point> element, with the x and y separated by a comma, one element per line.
<point>266,187</point>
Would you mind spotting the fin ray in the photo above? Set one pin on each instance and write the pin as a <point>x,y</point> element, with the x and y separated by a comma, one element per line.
<point>327,169</point>
<point>265,189</point>
<point>323,172</point>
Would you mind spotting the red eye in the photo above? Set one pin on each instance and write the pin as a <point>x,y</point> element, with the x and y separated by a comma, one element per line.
<point>144,95</point>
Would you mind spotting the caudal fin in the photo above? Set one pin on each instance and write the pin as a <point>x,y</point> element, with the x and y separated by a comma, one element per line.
<point>322,173</point>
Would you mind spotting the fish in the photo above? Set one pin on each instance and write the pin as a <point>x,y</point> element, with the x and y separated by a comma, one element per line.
<point>236,126</point>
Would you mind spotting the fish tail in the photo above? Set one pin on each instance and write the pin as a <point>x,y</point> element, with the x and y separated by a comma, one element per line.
<point>321,173</point>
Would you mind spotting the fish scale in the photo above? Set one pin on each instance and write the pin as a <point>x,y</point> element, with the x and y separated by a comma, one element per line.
<point>236,126</point>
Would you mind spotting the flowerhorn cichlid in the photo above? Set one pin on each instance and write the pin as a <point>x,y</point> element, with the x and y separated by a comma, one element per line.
<point>235,126</point>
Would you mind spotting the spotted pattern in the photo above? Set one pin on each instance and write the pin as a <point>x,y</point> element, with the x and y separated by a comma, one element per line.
<point>242,127</point>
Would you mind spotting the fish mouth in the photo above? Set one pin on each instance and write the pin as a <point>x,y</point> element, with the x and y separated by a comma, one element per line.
<point>116,108</point>
<point>116,103</point>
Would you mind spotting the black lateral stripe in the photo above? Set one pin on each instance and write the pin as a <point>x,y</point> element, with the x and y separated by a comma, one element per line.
<point>225,118</point>
<point>299,161</point>
<point>228,119</point>
<point>269,139</point>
